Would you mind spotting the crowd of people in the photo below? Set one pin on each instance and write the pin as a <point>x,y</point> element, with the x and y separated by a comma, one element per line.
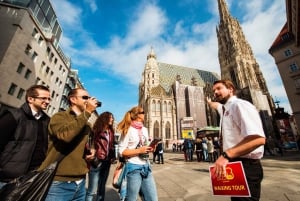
<point>206,149</point>
<point>89,149</point>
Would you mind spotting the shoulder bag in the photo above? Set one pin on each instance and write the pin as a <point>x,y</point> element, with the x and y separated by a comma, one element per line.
<point>119,173</point>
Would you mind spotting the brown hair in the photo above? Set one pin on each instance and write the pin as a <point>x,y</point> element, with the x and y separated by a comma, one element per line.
<point>228,84</point>
<point>32,91</point>
<point>129,116</point>
<point>73,92</point>
<point>102,121</point>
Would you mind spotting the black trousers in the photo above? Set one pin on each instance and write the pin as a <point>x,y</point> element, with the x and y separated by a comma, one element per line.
<point>254,175</point>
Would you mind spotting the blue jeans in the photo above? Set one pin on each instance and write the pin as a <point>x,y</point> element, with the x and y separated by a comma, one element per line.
<point>66,191</point>
<point>140,181</point>
<point>97,180</point>
<point>2,184</point>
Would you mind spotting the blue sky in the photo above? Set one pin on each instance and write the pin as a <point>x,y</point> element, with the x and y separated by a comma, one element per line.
<point>108,41</point>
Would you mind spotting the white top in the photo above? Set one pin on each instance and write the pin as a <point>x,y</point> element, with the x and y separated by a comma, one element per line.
<point>240,119</point>
<point>130,141</point>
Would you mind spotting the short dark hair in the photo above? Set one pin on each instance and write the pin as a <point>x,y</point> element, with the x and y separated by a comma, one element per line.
<point>32,91</point>
<point>72,93</point>
<point>227,83</point>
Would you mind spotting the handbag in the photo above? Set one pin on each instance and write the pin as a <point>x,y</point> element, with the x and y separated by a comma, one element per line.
<point>119,174</point>
<point>32,186</point>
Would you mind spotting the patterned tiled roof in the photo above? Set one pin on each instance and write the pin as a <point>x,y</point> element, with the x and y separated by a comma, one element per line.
<point>169,73</point>
<point>158,90</point>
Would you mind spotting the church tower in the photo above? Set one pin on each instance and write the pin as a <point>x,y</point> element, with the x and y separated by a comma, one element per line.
<point>238,64</point>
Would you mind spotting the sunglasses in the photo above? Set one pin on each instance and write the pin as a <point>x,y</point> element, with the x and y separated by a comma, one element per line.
<point>84,97</point>
<point>142,112</point>
<point>43,98</point>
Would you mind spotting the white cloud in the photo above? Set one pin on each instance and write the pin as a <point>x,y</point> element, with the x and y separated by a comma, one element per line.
<point>92,4</point>
<point>67,13</point>
<point>126,56</point>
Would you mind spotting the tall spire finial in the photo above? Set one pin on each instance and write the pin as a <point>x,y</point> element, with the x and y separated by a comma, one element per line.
<point>151,54</point>
<point>223,10</point>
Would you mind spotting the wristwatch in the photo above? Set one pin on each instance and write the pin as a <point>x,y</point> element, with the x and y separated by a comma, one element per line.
<point>224,154</point>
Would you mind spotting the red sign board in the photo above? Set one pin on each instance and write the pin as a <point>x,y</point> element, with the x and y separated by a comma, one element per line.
<point>233,184</point>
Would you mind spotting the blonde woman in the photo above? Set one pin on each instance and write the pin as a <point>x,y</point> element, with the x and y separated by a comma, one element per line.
<point>133,147</point>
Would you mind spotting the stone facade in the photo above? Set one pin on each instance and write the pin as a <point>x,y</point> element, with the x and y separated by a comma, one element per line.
<point>286,52</point>
<point>238,64</point>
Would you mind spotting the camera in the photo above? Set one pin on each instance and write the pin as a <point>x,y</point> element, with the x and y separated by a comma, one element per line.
<point>99,104</point>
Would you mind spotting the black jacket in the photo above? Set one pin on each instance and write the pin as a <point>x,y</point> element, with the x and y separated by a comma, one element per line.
<point>21,149</point>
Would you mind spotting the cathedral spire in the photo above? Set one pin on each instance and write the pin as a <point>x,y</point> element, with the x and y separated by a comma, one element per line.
<point>224,12</point>
<point>151,54</point>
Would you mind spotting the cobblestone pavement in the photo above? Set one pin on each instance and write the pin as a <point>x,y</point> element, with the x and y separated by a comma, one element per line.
<point>178,180</point>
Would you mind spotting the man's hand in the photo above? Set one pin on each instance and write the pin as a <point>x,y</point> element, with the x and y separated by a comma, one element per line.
<point>213,105</point>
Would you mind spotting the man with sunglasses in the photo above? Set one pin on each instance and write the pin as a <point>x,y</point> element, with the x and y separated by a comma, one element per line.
<point>68,134</point>
<point>24,135</point>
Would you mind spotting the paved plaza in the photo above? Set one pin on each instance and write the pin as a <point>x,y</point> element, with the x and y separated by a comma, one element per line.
<point>178,180</point>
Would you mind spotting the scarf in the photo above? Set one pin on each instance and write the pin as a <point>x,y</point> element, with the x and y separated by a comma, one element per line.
<point>138,125</point>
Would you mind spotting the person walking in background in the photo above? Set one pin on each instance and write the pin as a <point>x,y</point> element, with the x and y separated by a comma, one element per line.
<point>210,149</point>
<point>242,137</point>
<point>160,151</point>
<point>69,130</point>
<point>133,146</point>
<point>198,147</point>
<point>204,148</point>
<point>103,141</point>
<point>24,129</point>
<point>155,154</point>
<point>174,147</point>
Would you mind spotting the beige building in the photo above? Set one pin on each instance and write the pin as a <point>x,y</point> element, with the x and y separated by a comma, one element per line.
<point>29,52</point>
<point>286,52</point>
<point>173,98</point>
<point>238,64</point>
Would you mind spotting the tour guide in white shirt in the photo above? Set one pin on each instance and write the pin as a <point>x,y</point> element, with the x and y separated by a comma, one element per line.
<point>242,138</point>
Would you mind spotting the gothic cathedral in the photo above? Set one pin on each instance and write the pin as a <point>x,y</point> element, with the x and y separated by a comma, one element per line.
<point>173,98</point>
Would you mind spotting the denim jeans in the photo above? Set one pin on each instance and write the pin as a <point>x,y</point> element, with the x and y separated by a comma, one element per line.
<point>97,180</point>
<point>66,191</point>
<point>2,184</point>
<point>140,181</point>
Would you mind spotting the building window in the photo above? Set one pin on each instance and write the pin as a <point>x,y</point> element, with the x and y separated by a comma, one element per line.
<point>27,74</point>
<point>34,32</point>
<point>288,53</point>
<point>51,57</point>
<point>56,81</point>
<point>40,41</point>
<point>47,70</point>
<point>20,68</point>
<point>51,75</point>
<point>294,67</point>
<point>12,89</point>
<point>42,66</point>
<point>34,56</point>
<point>20,94</point>
<point>48,51</point>
<point>28,49</point>
<point>37,81</point>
